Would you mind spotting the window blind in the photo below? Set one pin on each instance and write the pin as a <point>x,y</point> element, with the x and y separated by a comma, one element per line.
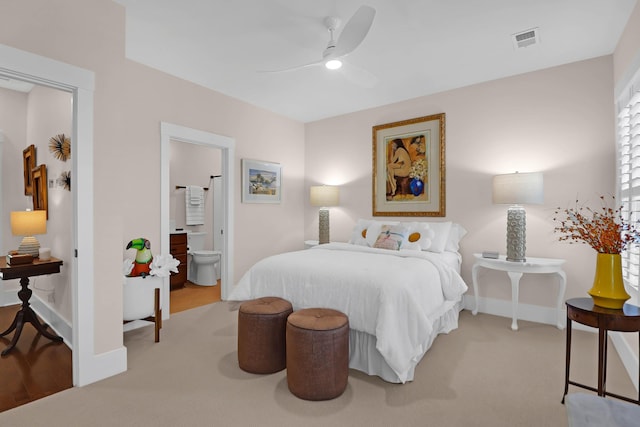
<point>629,179</point>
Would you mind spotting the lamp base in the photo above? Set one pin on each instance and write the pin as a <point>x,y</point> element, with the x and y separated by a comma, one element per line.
<point>30,245</point>
<point>323,236</point>
<point>516,233</point>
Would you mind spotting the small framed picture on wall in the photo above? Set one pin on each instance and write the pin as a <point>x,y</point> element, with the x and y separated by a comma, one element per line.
<point>28,163</point>
<point>261,182</point>
<point>40,195</point>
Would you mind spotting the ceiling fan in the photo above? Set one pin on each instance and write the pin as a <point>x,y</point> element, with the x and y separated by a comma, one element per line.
<point>352,35</point>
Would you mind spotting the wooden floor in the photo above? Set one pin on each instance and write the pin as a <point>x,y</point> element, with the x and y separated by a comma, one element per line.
<point>38,367</point>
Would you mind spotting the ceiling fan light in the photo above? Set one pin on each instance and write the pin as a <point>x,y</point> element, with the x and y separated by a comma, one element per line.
<point>333,64</point>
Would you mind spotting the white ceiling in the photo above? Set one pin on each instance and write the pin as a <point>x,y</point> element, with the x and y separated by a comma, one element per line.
<point>414,47</point>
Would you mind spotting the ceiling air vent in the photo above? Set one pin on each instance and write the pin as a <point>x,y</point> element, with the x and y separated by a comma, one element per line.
<point>526,38</point>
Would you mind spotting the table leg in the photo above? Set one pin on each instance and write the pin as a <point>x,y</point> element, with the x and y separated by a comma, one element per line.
<point>474,275</point>
<point>601,358</point>
<point>567,359</point>
<point>26,315</point>
<point>604,363</point>
<point>563,286</point>
<point>515,288</point>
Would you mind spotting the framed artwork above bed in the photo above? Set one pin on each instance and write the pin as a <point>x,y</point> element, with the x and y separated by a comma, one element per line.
<point>261,182</point>
<point>409,167</point>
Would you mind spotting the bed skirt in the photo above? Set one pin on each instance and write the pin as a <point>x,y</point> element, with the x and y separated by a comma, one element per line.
<point>363,355</point>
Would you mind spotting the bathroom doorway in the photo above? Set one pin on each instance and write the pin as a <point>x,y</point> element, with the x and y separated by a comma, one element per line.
<point>195,168</point>
<point>225,146</point>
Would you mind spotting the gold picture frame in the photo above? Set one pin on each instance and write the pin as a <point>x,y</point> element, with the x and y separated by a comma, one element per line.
<point>28,163</point>
<point>40,195</point>
<point>409,167</point>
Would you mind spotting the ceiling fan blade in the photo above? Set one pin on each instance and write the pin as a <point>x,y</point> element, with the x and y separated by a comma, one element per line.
<point>297,67</point>
<point>354,31</point>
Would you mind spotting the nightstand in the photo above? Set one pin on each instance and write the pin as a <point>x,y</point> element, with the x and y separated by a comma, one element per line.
<point>515,270</point>
<point>310,243</point>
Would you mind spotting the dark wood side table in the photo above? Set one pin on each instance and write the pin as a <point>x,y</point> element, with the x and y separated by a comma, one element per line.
<point>583,311</point>
<point>26,313</point>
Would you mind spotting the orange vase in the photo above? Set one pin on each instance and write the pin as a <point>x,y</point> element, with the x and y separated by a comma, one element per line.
<point>608,286</point>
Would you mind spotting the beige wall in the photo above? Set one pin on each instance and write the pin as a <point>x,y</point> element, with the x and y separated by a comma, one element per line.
<point>13,123</point>
<point>40,114</point>
<point>130,101</point>
<point>627,54</point>
<point>192,164</point>
<point>49,114</point>
<point>558,121</point>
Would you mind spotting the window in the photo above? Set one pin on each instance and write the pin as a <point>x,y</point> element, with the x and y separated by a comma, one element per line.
<point>628,143</point>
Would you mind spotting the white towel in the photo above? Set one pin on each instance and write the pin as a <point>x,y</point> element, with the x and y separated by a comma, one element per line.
<point>194,202</point>
<point>195,194</point>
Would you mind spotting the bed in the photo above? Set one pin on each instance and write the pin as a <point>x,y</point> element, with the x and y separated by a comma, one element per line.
<point>397,299</point>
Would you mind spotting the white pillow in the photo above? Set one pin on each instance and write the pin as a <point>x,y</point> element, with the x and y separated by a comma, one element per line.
<point>359,233</point>
<point>441,236</point>
<point>419,236</point>
<point>391,237</point>
<point>455,235</point>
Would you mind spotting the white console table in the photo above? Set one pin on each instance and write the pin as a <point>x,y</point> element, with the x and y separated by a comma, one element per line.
<point>515,270</point>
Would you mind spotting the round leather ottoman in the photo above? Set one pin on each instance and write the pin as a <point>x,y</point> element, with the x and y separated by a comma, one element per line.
<point>317,353</point>
<point>261,334</point>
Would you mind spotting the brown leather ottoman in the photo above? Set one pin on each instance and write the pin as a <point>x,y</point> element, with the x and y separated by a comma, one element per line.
<point>317,353</point>
<point>261,334</point>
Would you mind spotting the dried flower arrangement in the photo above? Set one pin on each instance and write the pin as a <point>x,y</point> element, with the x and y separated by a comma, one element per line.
<point>604,230</point>
<point>418,169</point>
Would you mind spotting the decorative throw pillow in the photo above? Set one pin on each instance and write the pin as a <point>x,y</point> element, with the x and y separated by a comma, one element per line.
<point>419,236</point>
<point>359,233</point>
<point>390,237</point>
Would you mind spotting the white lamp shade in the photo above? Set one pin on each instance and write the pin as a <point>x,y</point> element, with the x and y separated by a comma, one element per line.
<point>28,223</point>
<point>325,195</point>
<point>518,188</point>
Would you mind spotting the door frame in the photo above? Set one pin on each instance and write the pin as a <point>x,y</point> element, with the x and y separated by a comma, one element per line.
<point>88,367</point>
<point>168,132</point>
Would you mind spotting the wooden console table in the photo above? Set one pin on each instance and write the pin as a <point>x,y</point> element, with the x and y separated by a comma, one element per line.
<point>583,311</point>
<point>26,313</point>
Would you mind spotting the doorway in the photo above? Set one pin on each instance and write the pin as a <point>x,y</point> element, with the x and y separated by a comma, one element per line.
<point>195,168</point>
<point>171,132</point>
<point>35,69</point>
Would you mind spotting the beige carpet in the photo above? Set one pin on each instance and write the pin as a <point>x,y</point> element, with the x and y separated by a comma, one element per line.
<point>482,374</point>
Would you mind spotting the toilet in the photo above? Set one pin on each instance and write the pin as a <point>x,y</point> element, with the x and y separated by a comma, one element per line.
<point>203,266</point>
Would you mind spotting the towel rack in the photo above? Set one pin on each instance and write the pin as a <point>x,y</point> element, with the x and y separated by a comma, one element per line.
<point>182,186</point>
<point>204,188</point>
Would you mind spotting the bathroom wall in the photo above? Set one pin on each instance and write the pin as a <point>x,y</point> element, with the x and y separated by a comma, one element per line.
<point>192,164</point>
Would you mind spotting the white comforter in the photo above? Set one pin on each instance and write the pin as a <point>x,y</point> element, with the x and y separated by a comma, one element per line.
<point>394,295</point>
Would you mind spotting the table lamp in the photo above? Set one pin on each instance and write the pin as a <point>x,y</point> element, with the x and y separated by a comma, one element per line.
<point>517,189</point>
<point>324,196</point>
<point>28,224</point>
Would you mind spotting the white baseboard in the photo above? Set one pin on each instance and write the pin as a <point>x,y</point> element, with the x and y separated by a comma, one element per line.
<point>628,356</point>
<point>547,315</point>
<point>9,295</point>
<point>56,322</point>
<point>528,312</point>
<point>48,315</point>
